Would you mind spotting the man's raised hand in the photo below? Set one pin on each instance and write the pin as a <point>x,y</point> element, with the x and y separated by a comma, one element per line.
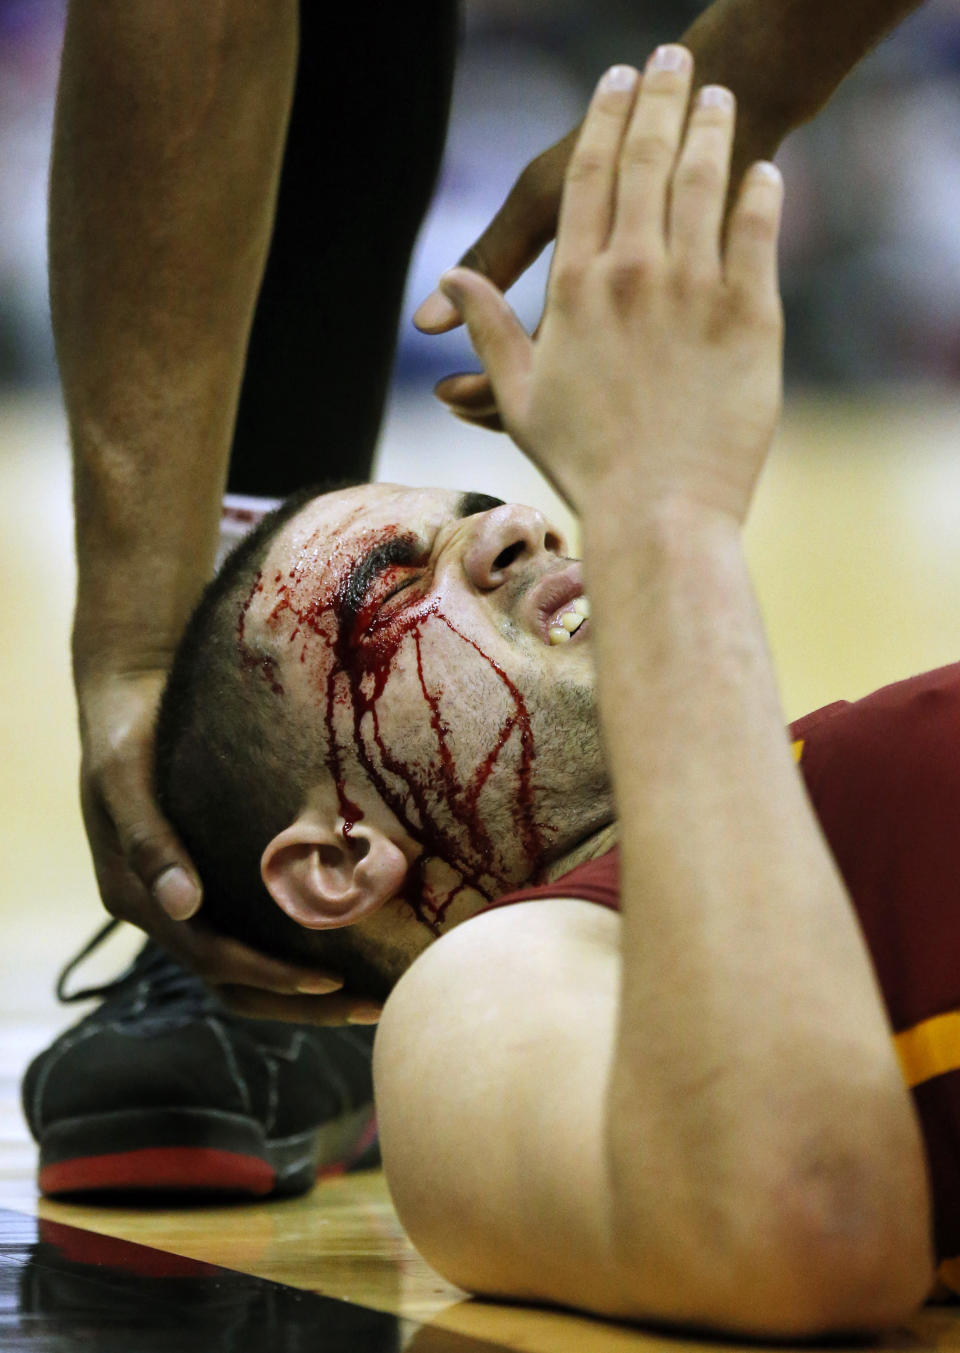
<point>660,349</point>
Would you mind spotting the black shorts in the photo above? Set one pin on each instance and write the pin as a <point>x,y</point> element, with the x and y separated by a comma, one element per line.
<point>363,150</point>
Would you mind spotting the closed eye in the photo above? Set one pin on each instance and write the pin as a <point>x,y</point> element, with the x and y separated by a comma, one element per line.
<point>400,587</point>
<point>380,612</point>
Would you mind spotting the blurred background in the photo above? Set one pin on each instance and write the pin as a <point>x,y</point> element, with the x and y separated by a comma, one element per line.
<point>871,253</point>
<point>855,536</point>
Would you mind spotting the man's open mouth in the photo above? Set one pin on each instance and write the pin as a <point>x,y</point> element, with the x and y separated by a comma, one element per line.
<point>557,606</point>
<point>567,621</point>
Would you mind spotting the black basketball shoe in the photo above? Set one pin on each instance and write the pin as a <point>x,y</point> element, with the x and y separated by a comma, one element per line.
<point>162,1089</point>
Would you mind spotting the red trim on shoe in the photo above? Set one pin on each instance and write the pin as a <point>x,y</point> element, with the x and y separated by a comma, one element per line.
<point>366,1139</point>
<point>333,1171</point>
<point>162,1167</point>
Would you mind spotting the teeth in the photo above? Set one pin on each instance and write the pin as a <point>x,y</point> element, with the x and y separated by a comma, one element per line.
<point>569,621</point>
<point>567,624</point>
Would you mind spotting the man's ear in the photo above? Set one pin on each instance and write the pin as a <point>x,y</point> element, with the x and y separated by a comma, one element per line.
<point>325,877</point>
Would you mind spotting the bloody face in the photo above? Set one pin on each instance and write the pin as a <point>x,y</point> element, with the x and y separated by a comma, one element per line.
<point>411,629</point>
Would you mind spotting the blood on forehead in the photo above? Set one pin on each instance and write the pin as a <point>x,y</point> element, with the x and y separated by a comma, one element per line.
<point>317,605</point>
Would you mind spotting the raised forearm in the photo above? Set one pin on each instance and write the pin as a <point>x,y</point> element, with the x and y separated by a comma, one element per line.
<point>748,998</point>
<point>762,1169</point>
<point>168,142</point>
<point>783,59</point>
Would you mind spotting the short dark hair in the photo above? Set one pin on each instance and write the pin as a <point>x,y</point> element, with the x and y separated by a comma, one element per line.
<point>232,768</point>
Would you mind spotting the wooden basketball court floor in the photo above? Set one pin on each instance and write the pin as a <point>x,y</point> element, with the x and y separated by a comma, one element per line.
<point>856,548</point>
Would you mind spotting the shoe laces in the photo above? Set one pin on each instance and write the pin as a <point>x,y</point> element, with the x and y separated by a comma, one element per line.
<point>153,970</point>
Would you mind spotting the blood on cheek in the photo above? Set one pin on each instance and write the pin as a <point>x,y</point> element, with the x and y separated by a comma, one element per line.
<point>352,652</point>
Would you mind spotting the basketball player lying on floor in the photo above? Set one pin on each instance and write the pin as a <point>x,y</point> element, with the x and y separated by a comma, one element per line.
<point>394,714</point>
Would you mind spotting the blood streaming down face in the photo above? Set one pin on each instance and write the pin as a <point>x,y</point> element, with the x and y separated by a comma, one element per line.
<point>349,629</point>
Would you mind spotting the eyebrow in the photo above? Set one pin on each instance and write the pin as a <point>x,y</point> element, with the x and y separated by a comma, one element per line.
<point>399,551</point>
<point>470,504</point>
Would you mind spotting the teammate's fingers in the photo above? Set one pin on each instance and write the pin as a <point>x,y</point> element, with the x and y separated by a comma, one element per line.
<point>517,235</point>
<point>649,152</point>
<point>222,960</point>
<point>468,392</point>
<point>491,422</point>
<point>700,180</point>
<point>341,1008</point>
<point>498,337</point>
<point>587,206</point>
<point>752,236</point>
<point>155,854</point>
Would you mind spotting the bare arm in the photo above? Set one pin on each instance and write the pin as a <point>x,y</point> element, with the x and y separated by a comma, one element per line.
<point>168,142</point>
<point>773,1047</point>
<point>746,1154</point>
<point>782,58</point>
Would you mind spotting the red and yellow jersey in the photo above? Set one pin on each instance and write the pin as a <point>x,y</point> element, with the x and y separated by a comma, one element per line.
<point>883,775</point>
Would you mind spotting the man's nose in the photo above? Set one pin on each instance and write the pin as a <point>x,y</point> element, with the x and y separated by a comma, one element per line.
<point>505,538</point>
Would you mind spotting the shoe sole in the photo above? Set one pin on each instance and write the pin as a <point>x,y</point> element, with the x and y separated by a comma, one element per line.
<point>196,1151</point>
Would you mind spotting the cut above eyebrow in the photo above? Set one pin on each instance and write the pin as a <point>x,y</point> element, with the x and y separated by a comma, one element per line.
<point>473,503</point>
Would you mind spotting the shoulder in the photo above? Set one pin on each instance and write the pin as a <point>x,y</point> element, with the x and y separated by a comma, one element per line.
<point>557,924</point>
<point>491,1066</point>
<point>533,964</point>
